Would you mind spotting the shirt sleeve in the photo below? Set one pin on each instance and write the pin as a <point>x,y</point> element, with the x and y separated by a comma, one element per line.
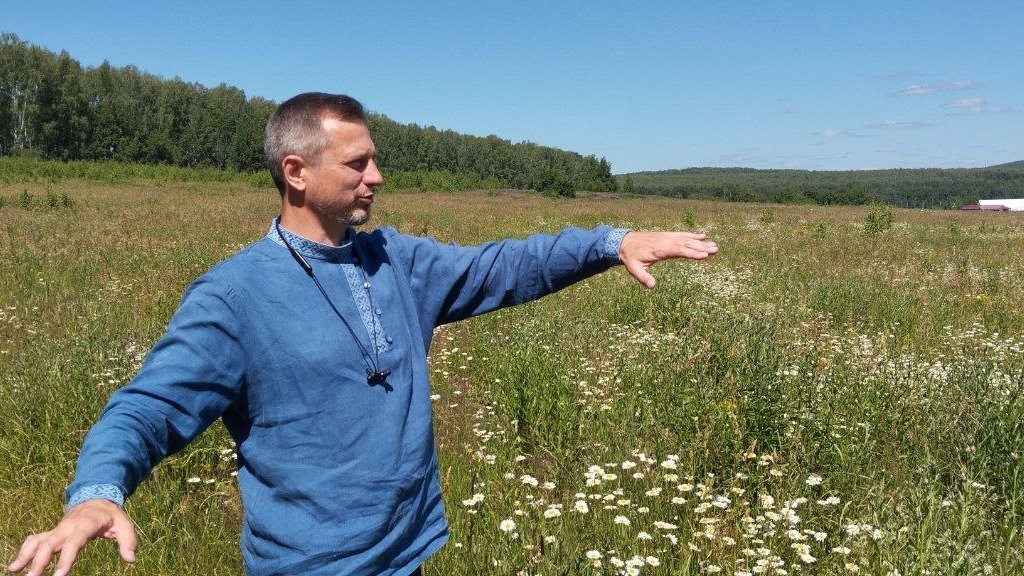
<point>188,380</point>
<point>95,492</point>
<point>453,282</point>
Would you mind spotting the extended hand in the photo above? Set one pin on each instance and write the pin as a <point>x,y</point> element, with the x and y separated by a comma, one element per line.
<point>88,520</point>
<point>641,250</point>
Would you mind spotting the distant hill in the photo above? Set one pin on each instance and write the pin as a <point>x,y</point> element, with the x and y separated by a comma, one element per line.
<point>1018,165</point>
<point>908,188</point>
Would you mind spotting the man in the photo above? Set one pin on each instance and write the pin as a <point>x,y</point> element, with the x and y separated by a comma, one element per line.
<point>311,345</point>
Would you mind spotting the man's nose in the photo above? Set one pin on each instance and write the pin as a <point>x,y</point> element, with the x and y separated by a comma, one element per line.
<point>372,176</point>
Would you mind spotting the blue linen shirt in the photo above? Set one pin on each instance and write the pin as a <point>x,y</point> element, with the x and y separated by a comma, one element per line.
<point>337,476</point>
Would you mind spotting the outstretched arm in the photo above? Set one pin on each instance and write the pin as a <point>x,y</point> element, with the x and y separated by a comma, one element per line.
<point>641,250</point>
<point>89,520</point>
<point>192,375</point>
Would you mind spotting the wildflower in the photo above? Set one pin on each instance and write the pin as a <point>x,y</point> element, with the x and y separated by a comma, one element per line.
<point>594,555</point>
<point>528,480</point>
<point>620,519</point>
<point>713,569</point>
<point>721,502</point>
<point>813,480</point>
<point>656,491</point>
<point>678,500</point>
<point>552,513</point>
<point>628,464</point>
<point>644,536</point>
<point>841,550</point>
<point>652,561</point>
<point>665,525</point>
<point>852,567</point>
<point>581,507</point>
<point>507,525</point>
<point>609,476</point>
<point>852,529</point>
<point>548,485</point>
<point>669,464</point>
<point>830,501</point>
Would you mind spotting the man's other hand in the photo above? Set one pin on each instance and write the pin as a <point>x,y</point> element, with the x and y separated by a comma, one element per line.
<point>641,250</point>
<point>86,521</point>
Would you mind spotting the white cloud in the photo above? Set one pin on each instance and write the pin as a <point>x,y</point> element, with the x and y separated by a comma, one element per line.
<point>918,89</point>
<point>966,103</point>
<point>828,133</point>
<point>891,125</point>
<point>973,106</point>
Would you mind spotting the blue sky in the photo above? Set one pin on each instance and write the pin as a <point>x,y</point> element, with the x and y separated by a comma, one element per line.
<point>646,85</point>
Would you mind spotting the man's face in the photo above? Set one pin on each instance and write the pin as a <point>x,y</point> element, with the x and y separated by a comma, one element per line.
<point>340,185</point>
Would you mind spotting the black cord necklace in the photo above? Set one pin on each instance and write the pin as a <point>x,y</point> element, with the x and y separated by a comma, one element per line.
<point>374,375</point>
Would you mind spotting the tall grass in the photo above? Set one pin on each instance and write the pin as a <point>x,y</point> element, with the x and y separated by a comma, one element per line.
<point>827,395</point>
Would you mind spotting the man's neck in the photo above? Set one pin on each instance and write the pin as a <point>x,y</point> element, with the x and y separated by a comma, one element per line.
<point>312,228</point>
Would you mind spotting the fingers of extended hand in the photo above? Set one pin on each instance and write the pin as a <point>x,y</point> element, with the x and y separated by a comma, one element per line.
<point>639,271</point>
<point>37,554</point>
<point>679,246</point>
<point>69,553</point>
<point>697,248</point>
<point>70,535</point>
<point>26,553</point>
<point>124,533</point>
<point>38,550</point>
<point>653,247</point>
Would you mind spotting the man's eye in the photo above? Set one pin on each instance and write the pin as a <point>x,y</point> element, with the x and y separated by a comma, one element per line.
<point>359,165</point>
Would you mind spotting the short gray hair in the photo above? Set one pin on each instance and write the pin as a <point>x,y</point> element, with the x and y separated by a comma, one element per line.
<point>296,128</point>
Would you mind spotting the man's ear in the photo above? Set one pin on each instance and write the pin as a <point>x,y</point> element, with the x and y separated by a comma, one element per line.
<point>295,171</point>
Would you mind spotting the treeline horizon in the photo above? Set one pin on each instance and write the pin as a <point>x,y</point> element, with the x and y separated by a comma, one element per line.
<point>53,108</point>
<point>904,187</point>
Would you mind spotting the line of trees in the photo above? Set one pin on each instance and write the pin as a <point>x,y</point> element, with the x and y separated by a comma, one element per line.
<point>908,188</point>
<point>53,108</point>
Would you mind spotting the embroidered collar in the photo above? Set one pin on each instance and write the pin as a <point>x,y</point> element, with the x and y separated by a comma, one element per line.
<point>341,253</point>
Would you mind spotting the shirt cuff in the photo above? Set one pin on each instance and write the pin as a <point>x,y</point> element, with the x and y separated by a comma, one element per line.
<point>612,242</point>
<point>96,491</point>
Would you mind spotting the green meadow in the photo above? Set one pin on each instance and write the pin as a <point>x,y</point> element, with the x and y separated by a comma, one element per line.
<point>841,390</point>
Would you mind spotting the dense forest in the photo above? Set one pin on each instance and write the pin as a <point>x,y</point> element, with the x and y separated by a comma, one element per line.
<point>909,188</point>
<point>53,108</point>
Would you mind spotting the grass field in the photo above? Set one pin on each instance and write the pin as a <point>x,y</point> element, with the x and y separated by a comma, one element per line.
<point>841,390</point>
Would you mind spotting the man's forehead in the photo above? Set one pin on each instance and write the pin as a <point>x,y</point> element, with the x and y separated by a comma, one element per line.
<point>351,135</point>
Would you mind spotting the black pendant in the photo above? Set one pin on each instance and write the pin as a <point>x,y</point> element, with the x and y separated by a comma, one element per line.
<point>379,378</point>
